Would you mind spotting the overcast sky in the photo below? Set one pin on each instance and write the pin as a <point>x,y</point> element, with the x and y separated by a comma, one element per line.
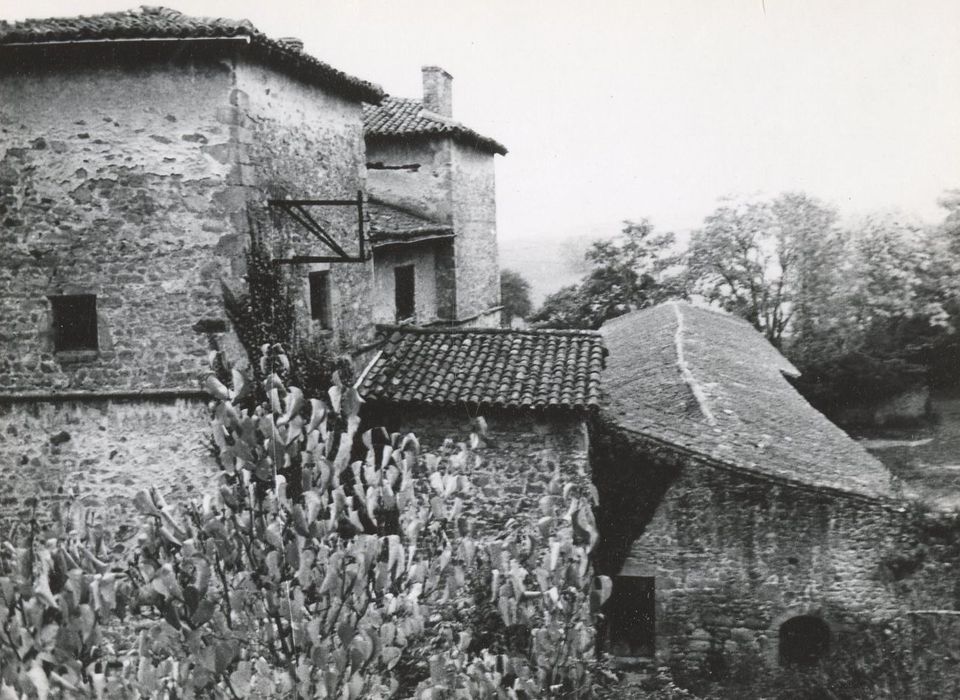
<point>620,109</point>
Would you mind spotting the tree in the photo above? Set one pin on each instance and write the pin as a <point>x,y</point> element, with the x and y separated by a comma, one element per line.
<point>767,261</point>
<point>515,296</point>
<point>950,227</point>
<point>885,320</point>
<point>944,360</point>
<point>627,272</point>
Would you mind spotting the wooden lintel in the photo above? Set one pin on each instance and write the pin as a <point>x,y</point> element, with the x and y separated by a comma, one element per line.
<point>305,259</point>
<point>308,202</point>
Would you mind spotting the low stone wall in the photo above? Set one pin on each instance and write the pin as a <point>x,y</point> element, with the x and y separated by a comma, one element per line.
<point>520,448</point>
<point>104,451</point>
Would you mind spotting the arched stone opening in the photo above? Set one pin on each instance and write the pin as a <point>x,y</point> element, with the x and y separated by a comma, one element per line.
<point>803,640</point>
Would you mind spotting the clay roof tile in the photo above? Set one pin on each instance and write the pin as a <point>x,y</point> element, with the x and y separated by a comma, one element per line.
<point>398,118</point>
<point>150,23</point>
<point>491,367</point>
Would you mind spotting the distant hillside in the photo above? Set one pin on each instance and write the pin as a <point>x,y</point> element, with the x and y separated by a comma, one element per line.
<point>549,264</point>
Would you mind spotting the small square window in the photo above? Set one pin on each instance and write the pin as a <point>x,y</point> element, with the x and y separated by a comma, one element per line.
<point>320,298</point>
<point>404,295</point>
<point>74,322</point>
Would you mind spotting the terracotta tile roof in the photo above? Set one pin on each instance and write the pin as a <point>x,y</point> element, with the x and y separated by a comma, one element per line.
<point>388,224</point>
<point>402,117</point>
<point>164,23</point>
<point>487,368</point>
<point>710,383</point>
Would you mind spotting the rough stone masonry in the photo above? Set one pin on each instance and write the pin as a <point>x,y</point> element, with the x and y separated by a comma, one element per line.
<point>127,175</point>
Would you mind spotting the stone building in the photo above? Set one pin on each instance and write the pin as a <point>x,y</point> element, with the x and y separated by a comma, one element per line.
<point>742,528</point>
<point>135,147</point>
<point>139,152</point>
<point>437,176</point>
<point>536,391</point>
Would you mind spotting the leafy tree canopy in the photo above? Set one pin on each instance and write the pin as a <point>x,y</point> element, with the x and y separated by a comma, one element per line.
<point>627,272</point>
<point>766,261</point>
<point>890,317</point>
<point>515,296</point>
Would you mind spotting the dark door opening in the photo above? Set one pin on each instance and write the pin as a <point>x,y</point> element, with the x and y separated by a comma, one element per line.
<point>404,295</point>
<point>631,617</point>
<point>804,640</point>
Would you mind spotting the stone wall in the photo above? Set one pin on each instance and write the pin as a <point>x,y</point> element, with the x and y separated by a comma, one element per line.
<point>490,319</point>
<point>450,183</point>
<point>114,182</point>
<point>475,223</point>
<point>416,175</point>
<point>422,256</point>
<point>132,177</point>
<point>520,446</point>
<point>302,142</point>
<point>733,556</point>
<point>104,452</point>
<point>133,182</point>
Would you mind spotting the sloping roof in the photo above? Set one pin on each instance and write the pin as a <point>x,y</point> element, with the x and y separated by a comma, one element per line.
<point>487,368</point>
<point>711,384</point>
<point>388,224</point>
<point>149,23</point>
<point>402,117</point>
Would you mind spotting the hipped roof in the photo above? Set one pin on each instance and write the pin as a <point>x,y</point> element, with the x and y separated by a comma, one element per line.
<point>399,118</point>
<point>709,383</point>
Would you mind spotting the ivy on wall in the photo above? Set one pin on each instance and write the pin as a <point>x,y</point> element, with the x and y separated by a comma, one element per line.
<point>264,314</point>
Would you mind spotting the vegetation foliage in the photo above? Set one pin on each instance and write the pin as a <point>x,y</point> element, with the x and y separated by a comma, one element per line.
<point>515,296</point>
<point>864,311</point>
<point>265,313</point>
<point>628,272</point>
<point>330,563</point>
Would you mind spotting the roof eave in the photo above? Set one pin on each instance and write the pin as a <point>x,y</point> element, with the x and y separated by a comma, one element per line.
<point>482,143</point>
<point>557,409</point>
<point>322,73</point>
<point>271,53</point>
<point>713,461</point>
<point>383,240</point>
<point>392,327</point>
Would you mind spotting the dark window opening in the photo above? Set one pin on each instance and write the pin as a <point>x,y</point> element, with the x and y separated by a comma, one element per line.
<point>403,277</point>
<point>74,322</point>
<point>804,640</point>
<point>320,298</point>
<point>631,618</point>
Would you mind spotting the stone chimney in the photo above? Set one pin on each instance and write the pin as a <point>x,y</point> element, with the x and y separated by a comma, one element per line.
<point>292,42</point>
<point>438,90</point>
